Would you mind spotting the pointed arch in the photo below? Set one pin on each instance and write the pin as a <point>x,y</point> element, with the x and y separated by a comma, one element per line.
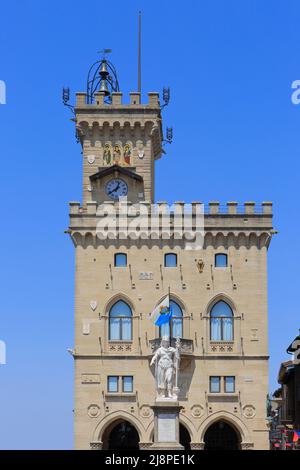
<point>113,417</point>
<point>115,298</point>
<point>217,298</point>
<point>221,320</point>
<point>226,416</point>
<point>120,322</point>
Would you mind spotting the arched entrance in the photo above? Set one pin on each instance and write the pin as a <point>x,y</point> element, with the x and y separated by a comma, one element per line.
<point>184,437</point>
<point>221,436</point>
<point>121,435</point>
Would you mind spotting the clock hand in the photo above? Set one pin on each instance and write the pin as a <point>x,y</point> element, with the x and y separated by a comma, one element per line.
<point>115,189</point>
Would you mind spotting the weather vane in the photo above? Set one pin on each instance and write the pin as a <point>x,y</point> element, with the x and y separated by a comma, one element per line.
<point>104,52</point>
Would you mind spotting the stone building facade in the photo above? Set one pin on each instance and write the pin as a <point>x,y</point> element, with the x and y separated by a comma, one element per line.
<point>220,301</point>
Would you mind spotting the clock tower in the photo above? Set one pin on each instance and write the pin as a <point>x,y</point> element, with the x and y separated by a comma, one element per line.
<point>121,139</point>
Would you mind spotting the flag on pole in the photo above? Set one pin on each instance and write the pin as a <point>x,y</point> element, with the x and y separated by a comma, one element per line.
<point>162,313</point>
<point>296,436</point>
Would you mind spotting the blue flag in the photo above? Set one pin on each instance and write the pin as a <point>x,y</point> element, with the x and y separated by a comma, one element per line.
<point>164,316</point>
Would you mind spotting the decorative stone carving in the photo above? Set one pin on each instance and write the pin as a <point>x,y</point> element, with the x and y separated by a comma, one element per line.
<point>249,411</point>
<point>247,445</point>
<point>254,334</point>
<point>222,347</point>
<point>120,347</point>
<point>145,445</point>
<point>140,149</point>
<point>85,328</point>
<point>197,445</point>
<point>93,411</point>
<point>197,411</point>
<point>146,411</point>
<point>95,445</point>
<point>200,265</point>
<point>90,378</point>
<point>93,304</point>
<point>146,276</point>
<point>91,159</point>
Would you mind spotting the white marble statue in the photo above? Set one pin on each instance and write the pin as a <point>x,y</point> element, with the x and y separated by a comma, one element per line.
<point>166,359</point>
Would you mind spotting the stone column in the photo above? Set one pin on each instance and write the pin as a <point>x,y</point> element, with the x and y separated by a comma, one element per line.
<point>166,425</point>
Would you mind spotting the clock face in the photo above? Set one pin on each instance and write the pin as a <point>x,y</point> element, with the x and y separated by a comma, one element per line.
<point>116,188</point>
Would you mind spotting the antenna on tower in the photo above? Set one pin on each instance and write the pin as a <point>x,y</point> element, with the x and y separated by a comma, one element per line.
<point>139,53</point>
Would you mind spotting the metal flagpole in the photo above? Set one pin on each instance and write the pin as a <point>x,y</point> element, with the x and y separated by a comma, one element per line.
<point>177,361</point>
<point>139,53</point>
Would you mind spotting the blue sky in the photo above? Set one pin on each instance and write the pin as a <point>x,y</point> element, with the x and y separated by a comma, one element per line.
<point>230,66</point>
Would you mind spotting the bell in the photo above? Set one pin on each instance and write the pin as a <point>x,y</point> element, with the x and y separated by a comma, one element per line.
<point>103,87</point>
<point>103,75</point>
<point>103,72</point>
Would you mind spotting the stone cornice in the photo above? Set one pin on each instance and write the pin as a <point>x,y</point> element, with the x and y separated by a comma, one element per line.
<point>192,356</point>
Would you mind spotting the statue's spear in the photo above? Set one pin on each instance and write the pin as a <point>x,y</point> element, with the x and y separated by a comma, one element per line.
<point>177,362</point>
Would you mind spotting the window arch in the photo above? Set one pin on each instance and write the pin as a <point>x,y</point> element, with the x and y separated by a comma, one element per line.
<point>221,322</point>
<point>120,322</point>
<point>175,322</point>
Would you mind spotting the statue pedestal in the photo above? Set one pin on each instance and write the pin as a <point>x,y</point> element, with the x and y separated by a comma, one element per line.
<point>166,425</point>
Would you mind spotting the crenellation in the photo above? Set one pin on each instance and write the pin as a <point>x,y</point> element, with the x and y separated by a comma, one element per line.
<point>99,98</point>
<point>80,98</point>
<point>214,207</point>
<point>267,207</point>
<point>117,101</point>
<point>153,98</point>
<point>249,207</point>
<point>232,207</point>
<point>74,207</point>
<point>116,98</point>
<point>135,98</point>
<point>214,211</point>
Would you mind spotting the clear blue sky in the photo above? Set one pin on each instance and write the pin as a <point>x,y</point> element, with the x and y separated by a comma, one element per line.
<point>230,65</point>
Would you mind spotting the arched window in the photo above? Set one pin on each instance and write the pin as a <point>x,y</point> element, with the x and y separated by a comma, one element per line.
<point>120,322</point>
<point>120,260</point>
<point>221,322</point>
<point>175,322</point>
<point>221,260</point>
<point>170,260</point>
